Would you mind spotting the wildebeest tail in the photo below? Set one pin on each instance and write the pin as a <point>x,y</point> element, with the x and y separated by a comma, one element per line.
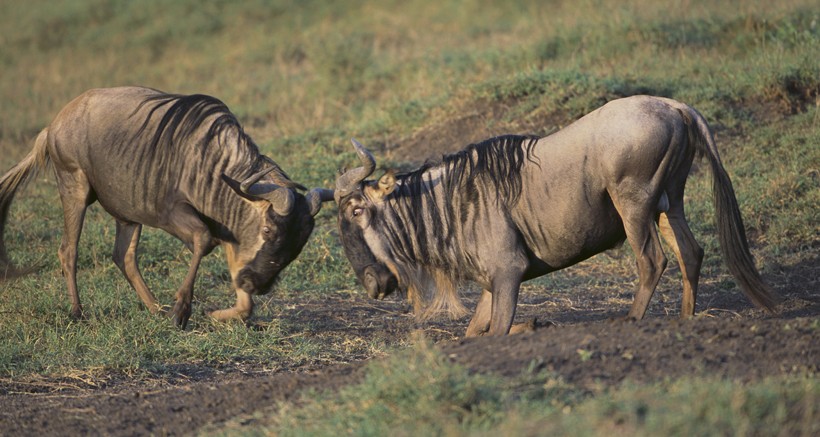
<point>731,233</point>
<point>10,182</point>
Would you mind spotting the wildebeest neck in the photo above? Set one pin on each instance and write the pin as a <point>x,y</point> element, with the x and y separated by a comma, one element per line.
<point>432,205</point>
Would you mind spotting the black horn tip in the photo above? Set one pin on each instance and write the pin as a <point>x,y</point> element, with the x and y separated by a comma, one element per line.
<point>348,181</point>
<point>316,197</point>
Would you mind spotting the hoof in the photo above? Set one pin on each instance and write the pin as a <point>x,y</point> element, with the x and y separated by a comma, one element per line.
<point>528,326</point>
<point>77,315</point>
<point>181,321</point>
<point>623,319</point>
<point>182,312</point>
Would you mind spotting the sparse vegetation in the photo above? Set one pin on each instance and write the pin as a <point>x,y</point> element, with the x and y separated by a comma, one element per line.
<point>305,76</point>
<point>418,392</point>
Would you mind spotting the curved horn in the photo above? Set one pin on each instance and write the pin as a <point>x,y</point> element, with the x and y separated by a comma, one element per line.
<point>315,198</point>
<point>247,186</point>
<point>280,198</point>
<point>348,181</point>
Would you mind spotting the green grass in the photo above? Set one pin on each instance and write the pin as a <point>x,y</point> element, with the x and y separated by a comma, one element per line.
<point>305,76</point>
<point>419,392</point>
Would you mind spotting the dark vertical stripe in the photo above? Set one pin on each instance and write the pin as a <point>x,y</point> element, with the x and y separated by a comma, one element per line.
<point>424,219</point>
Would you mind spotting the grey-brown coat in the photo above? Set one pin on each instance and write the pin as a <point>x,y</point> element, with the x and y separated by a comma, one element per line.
<point>168,161</point>
<point>514,208</point>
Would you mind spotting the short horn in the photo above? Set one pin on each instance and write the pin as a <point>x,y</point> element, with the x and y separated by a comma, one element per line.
<point>247,186</point>
<point>315,198</point>
<point>280,198</point>
<point>348,181</point>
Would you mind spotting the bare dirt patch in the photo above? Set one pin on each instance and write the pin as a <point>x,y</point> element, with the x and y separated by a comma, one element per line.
<point>581,341</point>
<point>472,123</point>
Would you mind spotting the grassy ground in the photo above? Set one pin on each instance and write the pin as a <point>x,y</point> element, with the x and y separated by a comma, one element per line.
<point>305,76</point>
<point>419,392</point>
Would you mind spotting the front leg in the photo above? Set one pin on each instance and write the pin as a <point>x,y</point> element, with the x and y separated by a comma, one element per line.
<point>241,311</point>
<point>504,300</point>
<point>185,294</point>
<point>196,236</point>
<point>480,323</point>
<point>504,264</point>
<point>125,257</point>
<point>244,301</point>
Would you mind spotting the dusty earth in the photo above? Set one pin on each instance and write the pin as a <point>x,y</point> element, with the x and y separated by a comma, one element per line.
<point>579,337</point>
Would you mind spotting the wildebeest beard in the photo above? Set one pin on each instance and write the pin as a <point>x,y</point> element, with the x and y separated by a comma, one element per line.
<point>620,172</point>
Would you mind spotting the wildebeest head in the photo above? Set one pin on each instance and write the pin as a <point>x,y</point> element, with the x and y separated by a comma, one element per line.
<point>285,221</point>
<point>357,200</point>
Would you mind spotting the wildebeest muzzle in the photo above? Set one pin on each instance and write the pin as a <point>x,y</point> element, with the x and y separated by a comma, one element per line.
<point>378,281</point>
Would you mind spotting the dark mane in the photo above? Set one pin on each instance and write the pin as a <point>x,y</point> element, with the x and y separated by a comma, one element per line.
<point>497,161</point>
<point>495,164</point>
<point>185,115</point>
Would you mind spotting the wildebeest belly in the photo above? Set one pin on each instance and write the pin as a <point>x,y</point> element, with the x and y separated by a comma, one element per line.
<point>126,207</point>
<point>568,229</point>
<point>158,213</point>
<point>148,204</point>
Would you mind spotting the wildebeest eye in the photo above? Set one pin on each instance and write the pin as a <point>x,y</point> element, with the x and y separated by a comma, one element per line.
<point>266,230</point>
<point>357,212</point>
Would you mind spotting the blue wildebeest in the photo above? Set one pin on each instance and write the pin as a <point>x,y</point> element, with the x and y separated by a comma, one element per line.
<point>170,162</point>
<point>514,208</point>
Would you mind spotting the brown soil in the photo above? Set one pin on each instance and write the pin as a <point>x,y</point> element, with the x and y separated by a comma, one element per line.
<point>580,338</point>
<point>474,123</point>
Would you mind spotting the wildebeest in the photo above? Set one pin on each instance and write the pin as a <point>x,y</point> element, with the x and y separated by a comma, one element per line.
<point>173,162</point>
<point>514,208</point>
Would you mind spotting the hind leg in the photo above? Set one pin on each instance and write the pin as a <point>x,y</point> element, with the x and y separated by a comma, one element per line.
<point>676,233</point>
<point>125,257</point>
<point>75,195</point>
<point>650,259</point>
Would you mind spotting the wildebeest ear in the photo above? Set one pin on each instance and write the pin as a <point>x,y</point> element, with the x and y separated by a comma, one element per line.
<point>315,198</point>
<point>386,184</point>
